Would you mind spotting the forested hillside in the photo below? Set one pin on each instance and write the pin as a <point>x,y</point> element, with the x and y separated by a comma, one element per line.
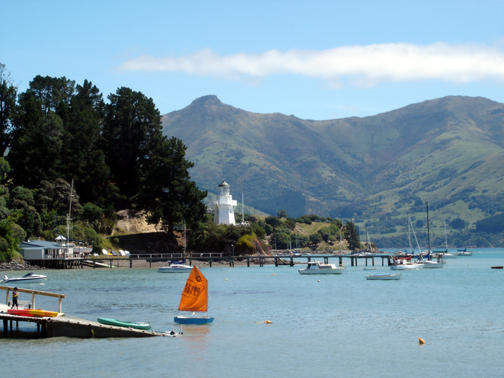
<point>65,147</point>
<point>377,170</point>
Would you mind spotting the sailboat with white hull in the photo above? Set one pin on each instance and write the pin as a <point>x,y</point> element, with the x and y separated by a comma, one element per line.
<point>429,263</point>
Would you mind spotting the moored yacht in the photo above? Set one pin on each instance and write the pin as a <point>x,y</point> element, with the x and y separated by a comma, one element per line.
<point>316,267</point>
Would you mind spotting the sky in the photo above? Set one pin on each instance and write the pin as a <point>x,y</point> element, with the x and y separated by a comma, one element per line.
<point>312,59</point>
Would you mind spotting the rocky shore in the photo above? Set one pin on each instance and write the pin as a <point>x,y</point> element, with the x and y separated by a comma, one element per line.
<point>14,265</point>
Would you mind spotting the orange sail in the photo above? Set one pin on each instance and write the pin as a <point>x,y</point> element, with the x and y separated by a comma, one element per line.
<point>195,293</point>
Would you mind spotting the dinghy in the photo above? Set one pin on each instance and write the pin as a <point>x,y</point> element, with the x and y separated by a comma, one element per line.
<point>120,323</point>
<point>194,298</point>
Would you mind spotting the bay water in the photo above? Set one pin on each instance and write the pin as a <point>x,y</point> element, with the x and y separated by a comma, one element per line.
<point>321,326</point>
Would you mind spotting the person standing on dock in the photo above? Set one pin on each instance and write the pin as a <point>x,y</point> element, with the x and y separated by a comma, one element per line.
<point>15,296</point>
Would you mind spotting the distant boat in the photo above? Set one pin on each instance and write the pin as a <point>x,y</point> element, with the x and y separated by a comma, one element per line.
<point>430,264</point>
<point>316,267</point>
<point>406,266</point>
<point>497,267</point>
<point>119,323</point>
<point>194,298</point>
<point>385,277</point>
<point>175,268</point>
<point>464,252</point>
<point>28,277</point>
<point>405,263</point>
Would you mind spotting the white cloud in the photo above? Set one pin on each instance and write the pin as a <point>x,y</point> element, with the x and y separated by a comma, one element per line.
<point>366,65</point>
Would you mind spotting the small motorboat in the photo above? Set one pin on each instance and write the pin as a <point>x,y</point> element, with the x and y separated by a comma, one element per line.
<point>175,268</point>
<point>120,323</point>
<point>316,267</point>
<point>406,266</point>
<point>405,263</point>
<point>28,277</point>
<point>385,277</point>
<point>464,252</point>
<point>497,267</point>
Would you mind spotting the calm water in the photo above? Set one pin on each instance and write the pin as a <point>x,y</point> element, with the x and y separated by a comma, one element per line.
<point>342,326</point>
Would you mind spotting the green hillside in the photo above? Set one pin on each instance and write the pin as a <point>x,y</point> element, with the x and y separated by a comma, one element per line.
<point>377,170</point>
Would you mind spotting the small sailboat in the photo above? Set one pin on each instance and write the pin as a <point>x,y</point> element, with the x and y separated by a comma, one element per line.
<point>194,298</point>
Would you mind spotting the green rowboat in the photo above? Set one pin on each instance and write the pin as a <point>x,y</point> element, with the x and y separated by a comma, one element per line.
<point>119,323</point>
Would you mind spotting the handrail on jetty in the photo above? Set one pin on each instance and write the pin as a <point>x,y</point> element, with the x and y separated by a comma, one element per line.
<point>34,293</point>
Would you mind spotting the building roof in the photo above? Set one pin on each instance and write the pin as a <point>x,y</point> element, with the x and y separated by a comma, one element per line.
<point>40,244</point>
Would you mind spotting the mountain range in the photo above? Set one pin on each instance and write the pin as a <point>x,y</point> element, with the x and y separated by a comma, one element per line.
<point>378,170</point>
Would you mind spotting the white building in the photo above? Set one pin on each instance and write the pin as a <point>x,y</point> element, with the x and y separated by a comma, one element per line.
<point>224,206</point>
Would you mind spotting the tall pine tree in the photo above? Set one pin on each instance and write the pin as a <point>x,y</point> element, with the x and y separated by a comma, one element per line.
<point>131,130</point>
<point>166,190</point>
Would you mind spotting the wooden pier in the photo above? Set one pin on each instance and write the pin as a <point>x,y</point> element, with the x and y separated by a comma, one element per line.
<point>60,325</point>
<point>212,257</point>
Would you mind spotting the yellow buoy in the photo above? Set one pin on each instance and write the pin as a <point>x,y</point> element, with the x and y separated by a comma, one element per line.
<point>267,322</point>
<point>421,341</point>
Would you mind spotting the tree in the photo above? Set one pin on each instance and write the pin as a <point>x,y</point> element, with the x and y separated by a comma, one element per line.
<point>165,189</point>
<point>8,94</point>
<point>352,236</point>
<point>36,152</point>
<point>132,130</point>
<point>22,205</point>
<point>82,155</point>
<point>458,224</point>
<point>273,221</point>
<point>282,214</point>
<point>315,238</point>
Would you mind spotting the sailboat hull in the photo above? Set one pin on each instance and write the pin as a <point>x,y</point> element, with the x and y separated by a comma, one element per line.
<point>192,319</point>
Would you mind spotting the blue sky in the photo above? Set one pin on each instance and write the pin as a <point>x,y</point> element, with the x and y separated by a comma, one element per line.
<point>313,59</point>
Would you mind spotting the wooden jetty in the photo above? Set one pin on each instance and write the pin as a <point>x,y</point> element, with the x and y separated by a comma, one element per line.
<point>277,259</point>
<point>61,325</point>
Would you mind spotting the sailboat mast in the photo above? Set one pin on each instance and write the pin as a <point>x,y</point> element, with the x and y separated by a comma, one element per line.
<point>428,227</point>
<point>243,215</point>
<point>409,235</point>
<point>445,237</point>
<point>69,214</point>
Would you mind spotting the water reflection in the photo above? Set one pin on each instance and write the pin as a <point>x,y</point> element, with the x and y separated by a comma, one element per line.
<point>196,336</point>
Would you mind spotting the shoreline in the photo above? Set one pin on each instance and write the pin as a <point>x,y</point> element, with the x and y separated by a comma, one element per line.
<point>143,264</point>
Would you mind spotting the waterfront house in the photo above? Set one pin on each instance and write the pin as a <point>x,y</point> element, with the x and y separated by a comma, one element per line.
<point>39,250</point>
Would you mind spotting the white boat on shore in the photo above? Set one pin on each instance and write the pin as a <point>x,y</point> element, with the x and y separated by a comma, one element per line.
<point>28,277</point>
<point>385,277</point>
<point>175,268</point>
<point>316,267</point>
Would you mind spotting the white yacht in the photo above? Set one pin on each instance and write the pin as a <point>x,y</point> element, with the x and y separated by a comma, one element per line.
<point>175,268</point>
<point>316,267</point>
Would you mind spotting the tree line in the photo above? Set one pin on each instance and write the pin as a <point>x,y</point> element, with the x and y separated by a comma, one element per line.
<point>63,146</point>
<point>57,133</point>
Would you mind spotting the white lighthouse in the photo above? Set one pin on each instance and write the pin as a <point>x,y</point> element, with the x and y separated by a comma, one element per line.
<point>224,206</point>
